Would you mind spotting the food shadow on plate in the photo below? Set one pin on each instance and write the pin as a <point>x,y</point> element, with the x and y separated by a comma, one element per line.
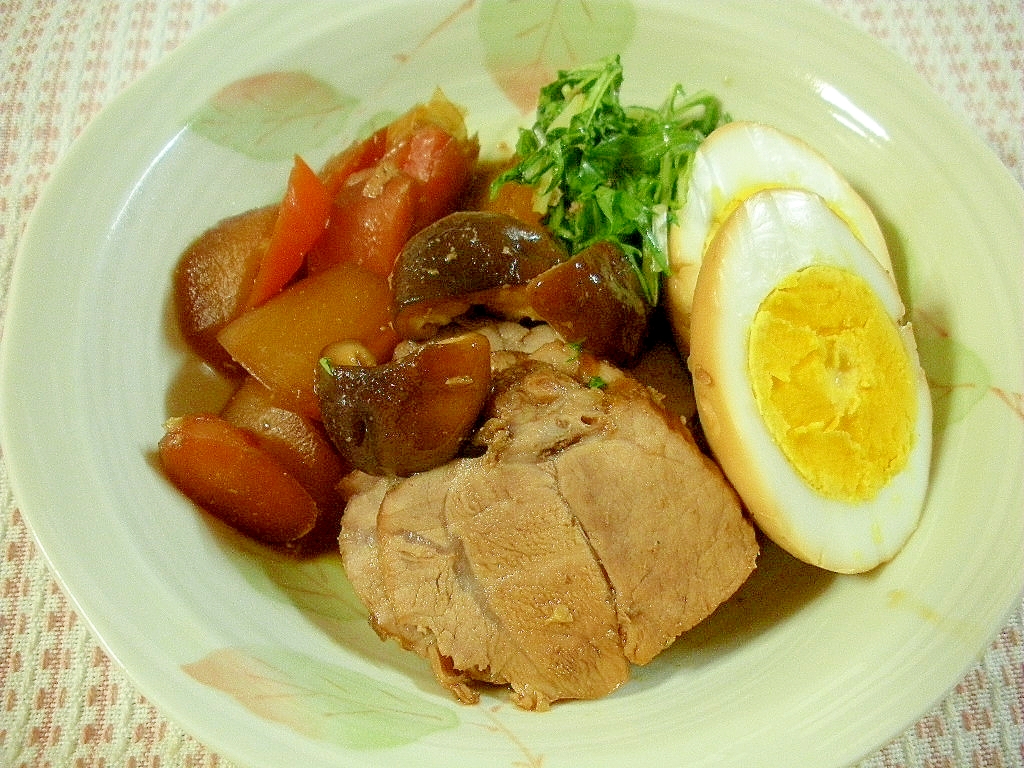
<point>957,377</point>
<point>777,590</point>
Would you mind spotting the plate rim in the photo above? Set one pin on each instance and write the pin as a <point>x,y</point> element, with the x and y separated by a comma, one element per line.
<point>77,153</point>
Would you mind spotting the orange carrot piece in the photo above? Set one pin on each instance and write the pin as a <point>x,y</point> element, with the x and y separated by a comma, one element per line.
<point>224,471</point>
<point>357,157</point>
<point>301,219</point>
<point>296,441</point>
<point>371,218</point>
<point>441,166</point>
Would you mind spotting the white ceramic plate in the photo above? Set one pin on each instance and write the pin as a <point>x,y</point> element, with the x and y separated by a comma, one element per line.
<point>272,663</point>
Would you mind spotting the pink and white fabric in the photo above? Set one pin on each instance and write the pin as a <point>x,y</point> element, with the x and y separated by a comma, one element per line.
<point>63,701</point>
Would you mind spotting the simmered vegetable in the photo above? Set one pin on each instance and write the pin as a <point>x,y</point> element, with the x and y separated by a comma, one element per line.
<point>214,277</point>
<point>518,271</point>
<point>396,237</point>
<point>280,341</point>
<point>441,165</point>
<point>371,217</point>
<point>296,441</point>
<point>301,446</point>
<point>393,184</point>
<point>468,258</point>
<point>512,198</point>
<point>224,470</point>
<point>408,415</point>
<point>358,156</point>
<point>301,219</point>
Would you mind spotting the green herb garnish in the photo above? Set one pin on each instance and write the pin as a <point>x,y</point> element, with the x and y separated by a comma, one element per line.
<point>602,171</point>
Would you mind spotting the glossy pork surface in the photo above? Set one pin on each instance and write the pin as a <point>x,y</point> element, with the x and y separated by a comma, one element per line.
<point>582,531</point>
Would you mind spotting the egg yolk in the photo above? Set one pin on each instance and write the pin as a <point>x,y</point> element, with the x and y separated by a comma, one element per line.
<point>833,382</point>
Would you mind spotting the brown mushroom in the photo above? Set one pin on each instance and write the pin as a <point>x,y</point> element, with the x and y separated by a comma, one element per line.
<point>466,259</point>
<point>411,414</point>
<point>596,300</point>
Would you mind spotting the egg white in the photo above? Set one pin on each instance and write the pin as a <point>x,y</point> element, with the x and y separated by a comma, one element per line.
<point>771,235</point>
<point>735,161</point>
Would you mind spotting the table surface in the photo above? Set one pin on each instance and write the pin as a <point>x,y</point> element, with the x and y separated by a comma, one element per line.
<point>63,701</point>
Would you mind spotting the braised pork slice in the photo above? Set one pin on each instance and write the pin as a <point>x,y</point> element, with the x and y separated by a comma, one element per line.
<point>664,525</point>
<point>585,531</point>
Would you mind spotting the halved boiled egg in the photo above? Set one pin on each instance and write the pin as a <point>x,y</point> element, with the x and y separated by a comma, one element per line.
<point>735,161</point>
<point>808,383</point>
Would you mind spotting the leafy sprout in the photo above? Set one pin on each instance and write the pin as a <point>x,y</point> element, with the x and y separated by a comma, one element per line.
<point>605,172</point>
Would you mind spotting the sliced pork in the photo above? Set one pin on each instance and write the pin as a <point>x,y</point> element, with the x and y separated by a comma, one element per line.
<point>583,531</point>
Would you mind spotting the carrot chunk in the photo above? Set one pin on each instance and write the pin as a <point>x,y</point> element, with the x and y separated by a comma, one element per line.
<point>371,218</point>
<point>301,220</point>
<point>358,156</point>
<point>297,442</point>
<point>224,471</point>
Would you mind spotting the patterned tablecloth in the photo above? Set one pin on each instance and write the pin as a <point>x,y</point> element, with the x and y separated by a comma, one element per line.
<point>63,702</point>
